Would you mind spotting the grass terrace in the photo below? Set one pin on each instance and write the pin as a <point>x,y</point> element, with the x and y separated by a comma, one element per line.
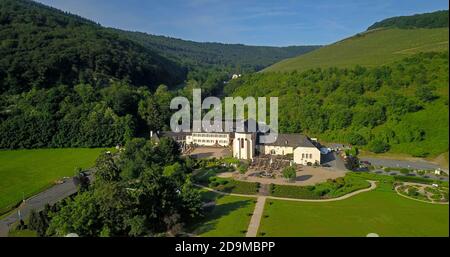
<point>380,211</point>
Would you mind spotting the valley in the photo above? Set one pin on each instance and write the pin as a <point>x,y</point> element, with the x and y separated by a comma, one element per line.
<point>363,126</point>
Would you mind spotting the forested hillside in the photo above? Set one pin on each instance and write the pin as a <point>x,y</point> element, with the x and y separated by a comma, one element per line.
<point>438,19</point>
<point>400,107</point>
<point>68,82</point>
<point>42,47</point>
<point>236,58</point>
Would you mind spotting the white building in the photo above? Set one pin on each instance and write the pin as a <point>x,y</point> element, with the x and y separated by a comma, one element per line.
<point>302,149</point>
<point>245,145</point>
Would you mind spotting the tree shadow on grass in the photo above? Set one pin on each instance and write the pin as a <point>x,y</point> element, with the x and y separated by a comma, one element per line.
<point>209,222</point>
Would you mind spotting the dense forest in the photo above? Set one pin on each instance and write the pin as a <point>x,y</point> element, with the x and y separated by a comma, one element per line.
<point>81,116</point>
<point>66,81</point>
<point>438,19</point>
<point>42,47</point>
<point>403,106</point>
<point>236,58</point>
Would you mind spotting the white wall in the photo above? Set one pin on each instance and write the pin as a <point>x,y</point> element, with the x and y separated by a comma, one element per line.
<point>208,139</point>
<point>277,150</point>
<point>303,155</point>
<point>245,151</point>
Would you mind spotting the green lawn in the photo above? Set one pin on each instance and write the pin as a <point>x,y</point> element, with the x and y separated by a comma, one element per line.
<point>381,211</point>
<point>329,189</point>
<point>369,49</point>
<point>22,233</point>
<point>234,186</point>
<point>230,216</point>
<point>31,171</point>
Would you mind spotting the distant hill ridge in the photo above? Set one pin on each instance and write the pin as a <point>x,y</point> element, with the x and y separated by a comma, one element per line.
<point>244,57</point>
<point>42,47</point>
<point>385,42</point>
<point>438,19</point>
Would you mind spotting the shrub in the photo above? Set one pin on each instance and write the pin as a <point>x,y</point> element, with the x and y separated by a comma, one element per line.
<point>356,139</point>
<point>289,173</point>
<point>404,171</point>
<point>378,146</point>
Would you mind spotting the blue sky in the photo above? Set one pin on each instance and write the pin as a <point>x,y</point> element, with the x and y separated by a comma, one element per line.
<point>253,22</point>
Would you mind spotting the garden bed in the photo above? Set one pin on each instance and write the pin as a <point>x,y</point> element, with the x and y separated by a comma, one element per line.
<point>330,189</point>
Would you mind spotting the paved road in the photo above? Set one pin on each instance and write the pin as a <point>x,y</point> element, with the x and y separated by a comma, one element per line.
<point>420,165</point>
<point>253,227</point>
<point>38,202</point>
<point>334,161</point>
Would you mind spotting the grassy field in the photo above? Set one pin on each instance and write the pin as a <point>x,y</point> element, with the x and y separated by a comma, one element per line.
<point>381,211</point>
<point>369,49</point>
<point>27,172</point>
<point>230,216</point>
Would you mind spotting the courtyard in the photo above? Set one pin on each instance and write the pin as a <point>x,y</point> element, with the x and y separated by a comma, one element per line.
<point>209,152</point>
<point>306,176</point>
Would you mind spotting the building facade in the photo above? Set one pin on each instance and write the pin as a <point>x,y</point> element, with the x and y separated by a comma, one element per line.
<point>245,145</point>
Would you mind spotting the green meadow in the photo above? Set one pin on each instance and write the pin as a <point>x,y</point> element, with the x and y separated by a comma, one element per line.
<point>381,211</point>
<point>230,216</point>
<point>370,49</point>
<point>27,172</point>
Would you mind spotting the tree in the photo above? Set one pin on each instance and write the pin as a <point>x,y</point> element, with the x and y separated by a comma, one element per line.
<point>378,146</point>
<point>152,114</point>
<point>38,221</point>
<point>81,180</point>
<point>356,139</point>
<point>425,93</point>
<point>289,173</point>
<point>351,162</point>
<point>107,168</point>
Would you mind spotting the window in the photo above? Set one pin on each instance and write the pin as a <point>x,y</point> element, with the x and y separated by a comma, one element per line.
<point>310,156</point>
<point>303,156</point>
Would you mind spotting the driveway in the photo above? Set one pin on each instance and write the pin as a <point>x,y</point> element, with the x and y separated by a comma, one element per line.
<point>334,161</point>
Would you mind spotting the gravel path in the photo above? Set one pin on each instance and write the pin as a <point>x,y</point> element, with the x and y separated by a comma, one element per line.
<point>253,227</point>
<point>373,185</point>
<point>412,198</point>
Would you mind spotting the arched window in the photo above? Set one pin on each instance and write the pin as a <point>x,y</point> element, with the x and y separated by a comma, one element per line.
<point>310,156</point>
